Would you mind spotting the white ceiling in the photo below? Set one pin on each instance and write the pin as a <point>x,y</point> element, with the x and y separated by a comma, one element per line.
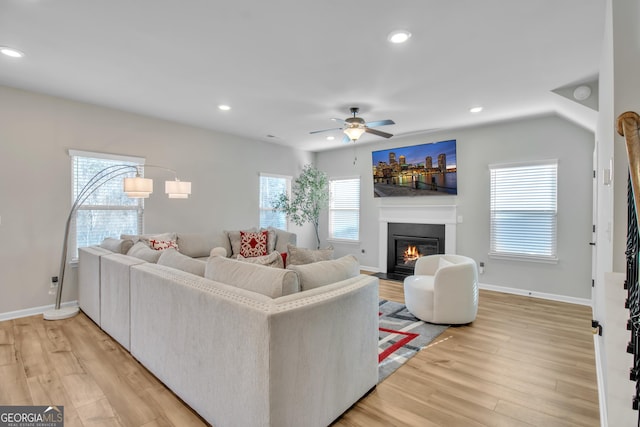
<point>287,66</point>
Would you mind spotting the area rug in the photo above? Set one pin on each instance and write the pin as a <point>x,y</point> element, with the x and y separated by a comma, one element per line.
<point>402,336</point>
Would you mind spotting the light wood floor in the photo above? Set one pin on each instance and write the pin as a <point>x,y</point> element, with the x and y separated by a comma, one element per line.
<point>523,362</point>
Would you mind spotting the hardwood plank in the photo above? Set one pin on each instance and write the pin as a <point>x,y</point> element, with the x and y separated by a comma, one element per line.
<point>523,362</point>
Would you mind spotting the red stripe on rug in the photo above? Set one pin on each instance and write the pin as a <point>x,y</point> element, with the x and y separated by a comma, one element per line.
<point>389,350</point>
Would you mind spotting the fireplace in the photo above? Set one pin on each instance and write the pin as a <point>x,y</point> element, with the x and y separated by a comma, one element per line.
<point>444,217</point>
<point>406,242</point>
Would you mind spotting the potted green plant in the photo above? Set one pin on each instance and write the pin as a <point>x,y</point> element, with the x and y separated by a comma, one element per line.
<point>309,196</point>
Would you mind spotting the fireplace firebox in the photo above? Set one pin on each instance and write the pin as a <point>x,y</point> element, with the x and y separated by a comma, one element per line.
<point>408,242</point>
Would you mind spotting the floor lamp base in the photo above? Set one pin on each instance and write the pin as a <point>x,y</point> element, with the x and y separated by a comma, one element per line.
<point>61,313</point>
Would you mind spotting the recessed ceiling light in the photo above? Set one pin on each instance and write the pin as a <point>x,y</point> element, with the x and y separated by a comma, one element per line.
<point>9,51</point>
<point>475,109</point>
<point>399,36</point>
<point>224,107</point>
<point>331,138</point>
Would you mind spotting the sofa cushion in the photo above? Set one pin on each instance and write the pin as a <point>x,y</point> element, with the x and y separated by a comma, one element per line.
<point>144,252</point>
<point>172,258</point>
<point>193,245</point>
<point>322,273</point>
<point>253,244</point>
<point>300,256</point>
<point>119,246</point>
<point>272,282</point>
<point>274,259</point>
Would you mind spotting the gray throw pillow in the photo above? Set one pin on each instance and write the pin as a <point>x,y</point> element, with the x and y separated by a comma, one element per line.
<point>119,246</point>
<point>234,240</point>
<point>144,252</point>
<point>300,256</point>
<point>323,273</point>
<point>173,258</point>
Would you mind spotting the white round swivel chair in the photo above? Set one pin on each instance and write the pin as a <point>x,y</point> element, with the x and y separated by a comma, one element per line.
<point>443,289</point>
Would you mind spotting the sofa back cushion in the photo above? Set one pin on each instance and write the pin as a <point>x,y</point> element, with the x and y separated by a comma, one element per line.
<point>194,245</point>
<point>173,258</point>
<point>272,282</point>
<point>323,273</point>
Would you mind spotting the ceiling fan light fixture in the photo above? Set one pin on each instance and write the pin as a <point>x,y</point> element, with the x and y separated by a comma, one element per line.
<point>11,52</point>
<point>399,36</point>
<point>354,132</point>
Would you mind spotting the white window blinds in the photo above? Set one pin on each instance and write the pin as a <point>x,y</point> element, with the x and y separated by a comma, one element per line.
<point>524,211</point>
<point>271,186</point>
<point>107,212</point>
<point>344,209</point>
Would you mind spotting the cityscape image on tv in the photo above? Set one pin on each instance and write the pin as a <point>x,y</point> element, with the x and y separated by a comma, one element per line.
<point>417,170</point>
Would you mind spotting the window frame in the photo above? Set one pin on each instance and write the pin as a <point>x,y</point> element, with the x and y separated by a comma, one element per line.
<point>330,231</point>
<point>288,180</point>
<point>74,187</point>
<point>551,214</point>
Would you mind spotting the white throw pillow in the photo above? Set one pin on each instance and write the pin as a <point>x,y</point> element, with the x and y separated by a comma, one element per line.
<point>160,242</point>
<point>322,273</point>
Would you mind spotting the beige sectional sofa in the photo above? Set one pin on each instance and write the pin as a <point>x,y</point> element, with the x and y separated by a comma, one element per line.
<point>232,351</point>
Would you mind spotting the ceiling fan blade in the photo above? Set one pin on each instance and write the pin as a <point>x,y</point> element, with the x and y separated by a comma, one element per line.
<point>325,130</point>
<point>378,132</point>
<point>381,123</point>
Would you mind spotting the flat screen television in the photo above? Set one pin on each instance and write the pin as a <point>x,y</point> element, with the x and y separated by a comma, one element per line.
<point>417,170</point>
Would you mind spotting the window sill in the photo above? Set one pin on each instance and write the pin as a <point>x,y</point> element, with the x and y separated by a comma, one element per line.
<point>525,258</point>
<point>343,241</point>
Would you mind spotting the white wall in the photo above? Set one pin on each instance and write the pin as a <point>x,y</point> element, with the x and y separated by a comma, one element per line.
<point>619,92</point>
<point>37,130</point>
<point>528,139</point>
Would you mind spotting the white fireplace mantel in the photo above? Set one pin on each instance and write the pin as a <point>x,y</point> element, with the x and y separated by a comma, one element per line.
<point>417,214</point>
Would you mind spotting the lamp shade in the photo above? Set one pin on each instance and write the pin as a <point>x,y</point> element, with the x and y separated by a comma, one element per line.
<point>177,189</point>
<point>138,187</point>
<point>354,132</point>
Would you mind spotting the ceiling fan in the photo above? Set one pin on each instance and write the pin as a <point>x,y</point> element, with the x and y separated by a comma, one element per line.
<point>354,127</point>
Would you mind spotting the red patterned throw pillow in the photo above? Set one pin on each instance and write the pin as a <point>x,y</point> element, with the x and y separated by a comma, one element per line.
<point>253,244</point>
<point>161,245</point>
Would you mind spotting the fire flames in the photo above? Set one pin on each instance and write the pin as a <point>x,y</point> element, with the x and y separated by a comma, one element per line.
<point>411,254</point>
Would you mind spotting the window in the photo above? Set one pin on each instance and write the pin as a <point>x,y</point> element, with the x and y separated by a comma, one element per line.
<point>271,186</point>
<point>107,212</point>
<point>344,209</point>
<point>524,211</point>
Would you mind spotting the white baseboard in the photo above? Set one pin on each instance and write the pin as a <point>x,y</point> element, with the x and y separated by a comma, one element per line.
<point>535,294</point>
<point>370,269</point>
<point>33,311</point>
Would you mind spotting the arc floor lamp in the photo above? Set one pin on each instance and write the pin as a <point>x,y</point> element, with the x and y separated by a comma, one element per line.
<point>134,187</point>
